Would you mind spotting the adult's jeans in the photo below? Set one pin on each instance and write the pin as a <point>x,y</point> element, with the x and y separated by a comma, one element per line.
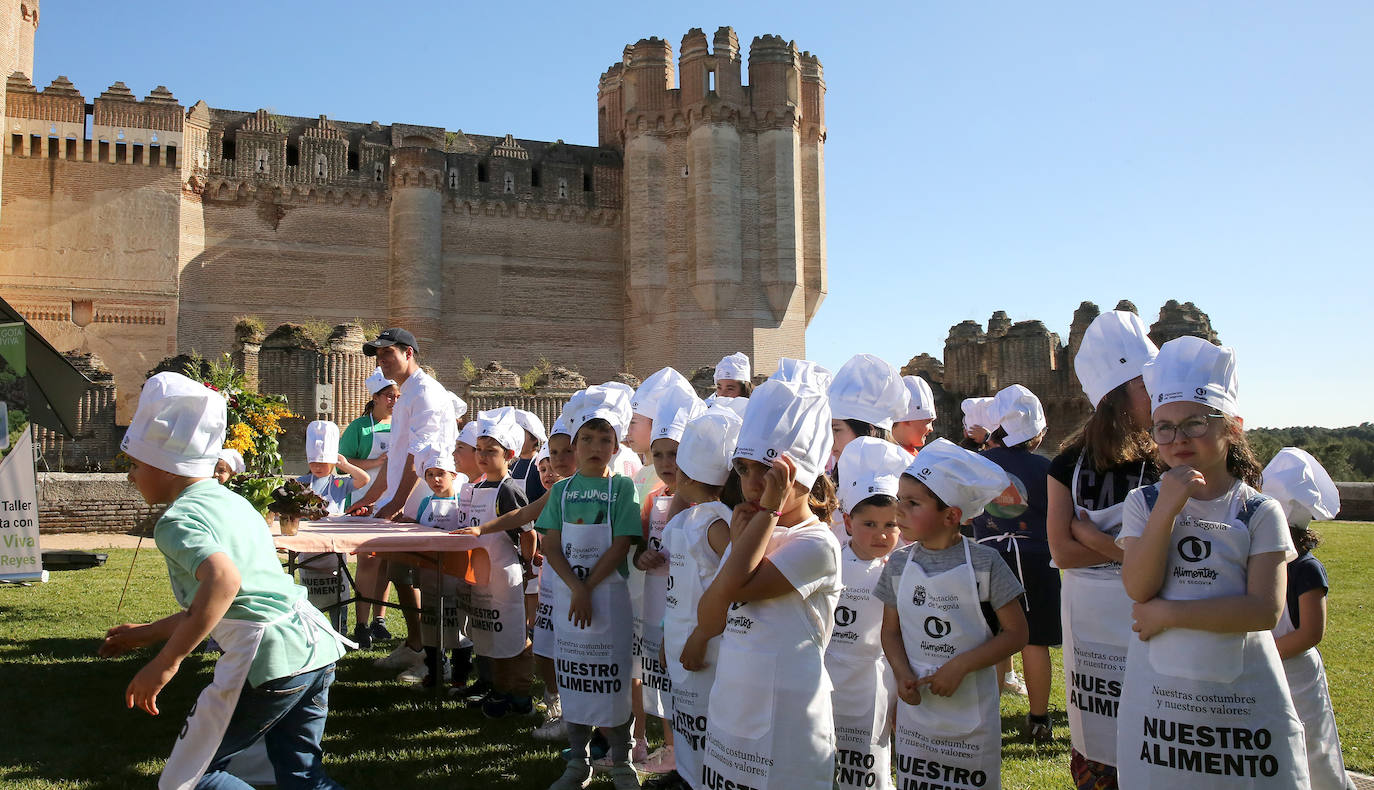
<point>289,714</point>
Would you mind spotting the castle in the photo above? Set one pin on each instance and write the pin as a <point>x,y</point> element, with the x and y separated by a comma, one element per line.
<point>978,363</point>
<point>138,229</point>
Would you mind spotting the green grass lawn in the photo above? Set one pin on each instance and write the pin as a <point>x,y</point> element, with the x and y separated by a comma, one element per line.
<point>65,725</point>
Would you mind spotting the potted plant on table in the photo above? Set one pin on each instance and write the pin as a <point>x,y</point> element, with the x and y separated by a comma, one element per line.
<point>294,502</point>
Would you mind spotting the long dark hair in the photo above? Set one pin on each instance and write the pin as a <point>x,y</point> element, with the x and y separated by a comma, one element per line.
<point>1110,437</point>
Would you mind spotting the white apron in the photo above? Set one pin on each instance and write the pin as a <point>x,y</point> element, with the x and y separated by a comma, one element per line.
<point>769,715</point>
<point>954,741</point>
<point>496,610</point>
<point>864,690</point>
<point>543,638</point>
<point>691,566</point>
<point>1312,699</point>
<point>444,513</point>
<point>1203,709</point>
<point>1096,616</point>
<point>647,591</point>
<point>593,663</point>
<point>204,729</point>
<point>381,441</point>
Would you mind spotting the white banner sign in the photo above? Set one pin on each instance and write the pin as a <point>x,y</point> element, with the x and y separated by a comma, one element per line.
<point>20,558</point>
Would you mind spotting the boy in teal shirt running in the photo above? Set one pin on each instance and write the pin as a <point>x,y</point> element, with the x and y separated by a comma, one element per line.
<point>273,679</point>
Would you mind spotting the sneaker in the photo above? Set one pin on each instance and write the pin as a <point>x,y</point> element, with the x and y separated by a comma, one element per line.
<point>552,729</point>
<point>403,657</point>
<point>577,776</point>
<point>363,636</point>
<point>624,777</point>
<point>1012,685</point>
<point>379,630</point>
<point>1038,732</point>
<point>660,761</point>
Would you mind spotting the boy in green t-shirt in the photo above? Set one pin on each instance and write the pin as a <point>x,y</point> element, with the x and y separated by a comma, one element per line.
<point>273,680</point>
<point>588,527</point>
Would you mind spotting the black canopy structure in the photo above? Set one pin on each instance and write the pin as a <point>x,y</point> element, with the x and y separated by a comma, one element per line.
<point>54,386</point>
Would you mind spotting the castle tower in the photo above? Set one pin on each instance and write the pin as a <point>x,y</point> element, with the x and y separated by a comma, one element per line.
<point>416,250</point>
<point>724,227</point>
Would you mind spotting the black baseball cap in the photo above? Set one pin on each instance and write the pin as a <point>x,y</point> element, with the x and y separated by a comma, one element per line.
<point>395,336</point>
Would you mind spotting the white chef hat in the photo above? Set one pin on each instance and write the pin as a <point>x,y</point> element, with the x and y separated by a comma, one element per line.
<point>562,425</point>
<point>178,426</point>
<point>803,371</point>
<point>234,459</point>
<point>432,457</point>
<point>977,411</point>
<point>674,410</point>
<point>1191,369</point>
<point>1302,486</point>
<point>646,398</point>
<point>960,478</point>
<point>1019,413</point>
<point>708,444</point>
<point>530,421</point>
<point>322,442</point>
<point>787,417</point>
<point>870,466</point>
<point>868,389</point>
<point>1114,349</point>
<point>601,401</point>
<point>733,368</point>
<point>922,403</point>
<point>737,405</point>
<point>460,406</point>
<point>378,382</point>
<point>500,424</point>
<point>469,434</point>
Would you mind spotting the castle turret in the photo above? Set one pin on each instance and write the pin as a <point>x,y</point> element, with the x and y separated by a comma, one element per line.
<point>416,252</point>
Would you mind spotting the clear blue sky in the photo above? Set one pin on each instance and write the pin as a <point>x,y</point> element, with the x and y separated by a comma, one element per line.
<point>1015,156</point>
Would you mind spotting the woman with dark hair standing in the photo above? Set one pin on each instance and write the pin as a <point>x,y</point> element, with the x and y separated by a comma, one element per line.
<point>364,443</point>
<point>1088,481</point>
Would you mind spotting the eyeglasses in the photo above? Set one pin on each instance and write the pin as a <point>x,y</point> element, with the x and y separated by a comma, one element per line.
<point>1194,428</point>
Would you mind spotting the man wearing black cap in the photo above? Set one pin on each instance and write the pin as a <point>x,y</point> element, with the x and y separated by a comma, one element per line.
<point>422,417</point>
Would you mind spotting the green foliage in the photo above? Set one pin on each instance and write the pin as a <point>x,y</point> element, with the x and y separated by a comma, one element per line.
<point>542,367</point>
<point>254,419</point>
<point>257,489</point>
<point>1346,453</point>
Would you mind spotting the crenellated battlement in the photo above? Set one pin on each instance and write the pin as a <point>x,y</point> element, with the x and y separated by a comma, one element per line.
<point>786,87</point>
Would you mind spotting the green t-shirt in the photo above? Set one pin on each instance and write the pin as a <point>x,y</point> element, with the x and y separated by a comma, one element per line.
<point>207,519</point>
<point>586,501</point>
<point>356,441</point>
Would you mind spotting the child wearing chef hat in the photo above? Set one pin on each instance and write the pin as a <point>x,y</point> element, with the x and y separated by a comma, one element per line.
<point>1307,493</point>
<point>496,617</point>
<point>864,692</point>
<point>944,598</point>
<point>1111,455</point>
<point>732,376</point>
<point>912,429</point>
<point>674,409</point>
<point>229,463</point>
<point>588,527</point>
<point>1014,524</point>
<point>694,541</point>
<point>774,598</point>
<point>322,574</point>
<point>1204,557</point>
<point>229,582</point>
